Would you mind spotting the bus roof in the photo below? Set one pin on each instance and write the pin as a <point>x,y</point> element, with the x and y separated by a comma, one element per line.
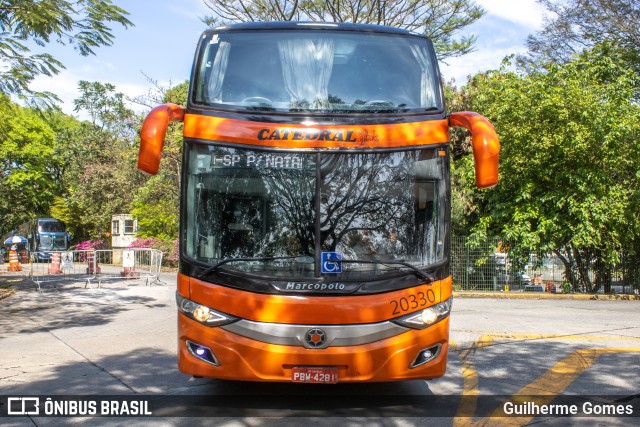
<point>295,25</point>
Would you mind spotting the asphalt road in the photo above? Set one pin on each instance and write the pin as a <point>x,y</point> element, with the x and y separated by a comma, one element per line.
<point>120,339</point>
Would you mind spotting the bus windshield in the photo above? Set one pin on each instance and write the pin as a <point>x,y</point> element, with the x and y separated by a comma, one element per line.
<point>51,235</point>
<point>331,71</point>
<point>51,227</point>
<point>374,207</point>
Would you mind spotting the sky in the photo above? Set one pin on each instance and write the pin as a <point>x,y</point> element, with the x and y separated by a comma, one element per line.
<point>161,45</point>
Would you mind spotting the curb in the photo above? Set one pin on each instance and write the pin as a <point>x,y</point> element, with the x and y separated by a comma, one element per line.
<point>6,293</point>
<point>536,295</point>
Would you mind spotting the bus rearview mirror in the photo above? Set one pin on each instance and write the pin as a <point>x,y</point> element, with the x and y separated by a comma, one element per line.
<point>153,133</point>
<point>486,146</point>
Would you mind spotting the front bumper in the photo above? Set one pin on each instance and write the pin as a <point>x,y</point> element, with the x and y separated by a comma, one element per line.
<point>245,359</point>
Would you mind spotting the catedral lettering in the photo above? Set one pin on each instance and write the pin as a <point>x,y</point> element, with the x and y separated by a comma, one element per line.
<point>298,135</point>
<point>315,212</point>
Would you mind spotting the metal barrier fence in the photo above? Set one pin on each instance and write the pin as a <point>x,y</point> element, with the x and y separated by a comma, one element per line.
<point>97,266</point>
<point>138,263</point>
<point>486,266</point>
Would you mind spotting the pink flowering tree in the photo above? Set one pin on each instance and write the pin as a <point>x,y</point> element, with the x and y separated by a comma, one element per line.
<point>169,248</point>
<point>90,245</point>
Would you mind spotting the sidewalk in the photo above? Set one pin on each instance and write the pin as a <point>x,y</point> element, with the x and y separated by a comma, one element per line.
<point>68,339</point>
<point>10,281</point>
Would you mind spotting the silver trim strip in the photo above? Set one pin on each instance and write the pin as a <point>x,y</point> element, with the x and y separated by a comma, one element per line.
<point>294,335</point>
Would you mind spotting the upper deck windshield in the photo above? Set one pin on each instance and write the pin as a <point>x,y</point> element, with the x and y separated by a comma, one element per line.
<point>51,226</point>
<point>311,70</point>
<point>374,207</point>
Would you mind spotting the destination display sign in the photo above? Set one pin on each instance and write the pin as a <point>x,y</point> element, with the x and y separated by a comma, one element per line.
<point>258,161</point>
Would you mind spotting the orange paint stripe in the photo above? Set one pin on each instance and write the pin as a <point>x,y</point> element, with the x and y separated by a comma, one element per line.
<point>301,136</point>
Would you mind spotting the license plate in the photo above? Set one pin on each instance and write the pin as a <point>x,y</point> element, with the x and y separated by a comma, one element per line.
<point>318,375</point>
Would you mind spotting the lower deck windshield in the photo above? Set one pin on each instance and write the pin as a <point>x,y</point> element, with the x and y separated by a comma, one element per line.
<point>373,207</point>
<point>52,242</point>
<point>51,235</point>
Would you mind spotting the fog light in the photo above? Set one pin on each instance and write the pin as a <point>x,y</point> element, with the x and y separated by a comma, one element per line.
<point>426,355</point>
<point>202,352</point>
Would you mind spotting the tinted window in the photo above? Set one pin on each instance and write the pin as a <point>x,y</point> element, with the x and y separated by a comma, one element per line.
<point>317,71</point>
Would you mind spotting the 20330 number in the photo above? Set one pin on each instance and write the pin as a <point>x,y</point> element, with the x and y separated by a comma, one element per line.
<point>413,302</point>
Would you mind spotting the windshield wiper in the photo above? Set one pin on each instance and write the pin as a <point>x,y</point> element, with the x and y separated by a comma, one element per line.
<point>421,274</point>
<point>214,267</point>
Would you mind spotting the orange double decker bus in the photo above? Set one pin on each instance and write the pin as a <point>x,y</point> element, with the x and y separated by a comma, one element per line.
<point>315,211</point>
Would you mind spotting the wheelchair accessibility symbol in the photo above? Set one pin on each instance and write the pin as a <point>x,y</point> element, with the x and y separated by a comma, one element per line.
<point>330,262</point>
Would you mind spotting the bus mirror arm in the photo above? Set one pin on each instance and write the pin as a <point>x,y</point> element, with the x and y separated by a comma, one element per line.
<point>153,133</point>
<point>486,146</point>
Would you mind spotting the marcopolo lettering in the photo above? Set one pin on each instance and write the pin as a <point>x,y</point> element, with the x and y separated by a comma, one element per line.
<point>295,286</point>
<point>306,287</point>
<point>306,135</point>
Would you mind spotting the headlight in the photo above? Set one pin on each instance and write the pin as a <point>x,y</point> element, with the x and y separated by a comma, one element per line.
<point>201,313</point>
<point>427,317</point>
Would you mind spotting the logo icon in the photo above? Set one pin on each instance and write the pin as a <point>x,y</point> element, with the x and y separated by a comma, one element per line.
<point>23,406</point>
<point>330,262</point>
<point>315,338</point>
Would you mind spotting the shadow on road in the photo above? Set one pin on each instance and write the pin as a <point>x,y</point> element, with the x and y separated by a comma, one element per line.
<point>64,305</point>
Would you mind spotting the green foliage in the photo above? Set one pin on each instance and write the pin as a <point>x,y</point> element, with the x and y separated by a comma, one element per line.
<point>177,94</point>
<point>100,177</point>
<point>157,202</point>
<point>107,110</point>
<point>28,164</point>
<point>82,24</point>
<point>568,166</point>
<point>83,172</point>
<point>156,208</point>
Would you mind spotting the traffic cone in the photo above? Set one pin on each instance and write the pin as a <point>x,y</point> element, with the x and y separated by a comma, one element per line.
<point>54,267</point>
<point>14,264</point>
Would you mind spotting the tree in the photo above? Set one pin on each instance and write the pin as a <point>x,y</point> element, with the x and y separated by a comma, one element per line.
<point>568,166</point>
<point>157,202</point>
<point>29,168</point>
<point>82,24</point>
<point>100,177</point>
<point>438,19</point>
<point>575,25</point>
